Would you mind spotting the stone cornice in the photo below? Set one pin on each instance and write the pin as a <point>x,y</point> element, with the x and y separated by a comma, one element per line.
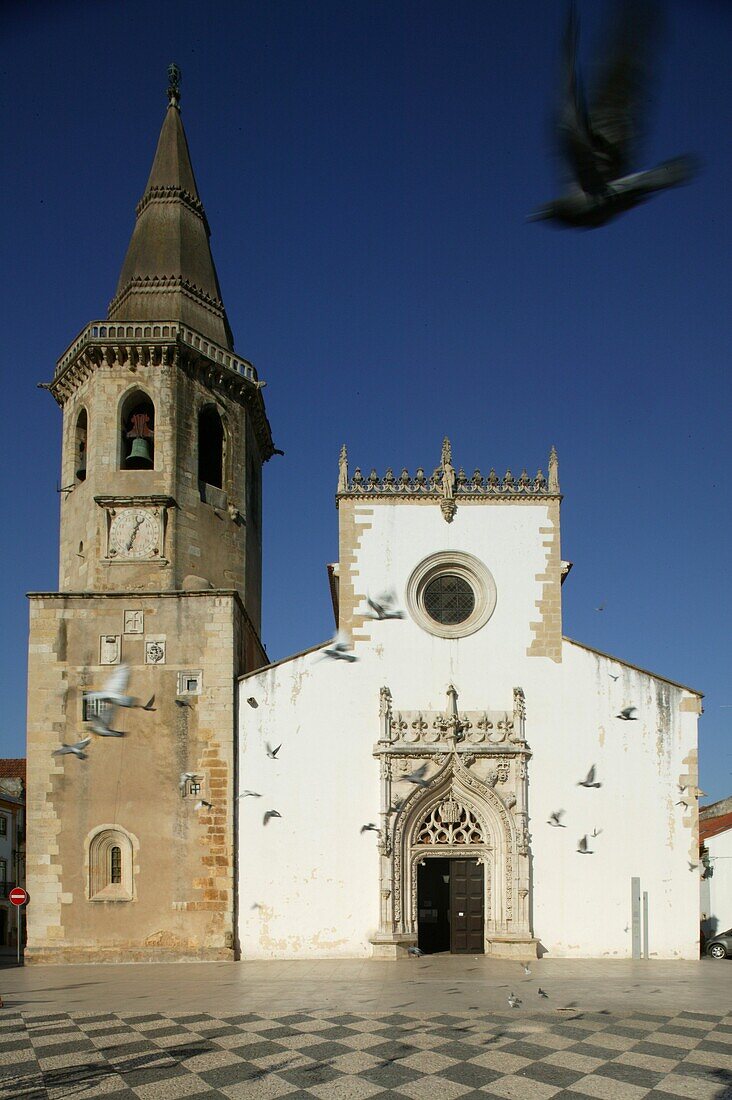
<point>157,284</point>
<point>105,345</point>
<point>173,194</point>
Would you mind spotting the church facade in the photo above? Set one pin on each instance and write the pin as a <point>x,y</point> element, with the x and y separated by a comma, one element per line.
<point>453,773</point>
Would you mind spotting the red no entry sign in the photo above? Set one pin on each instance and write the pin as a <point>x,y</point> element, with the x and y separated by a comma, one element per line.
<point>17,896</point>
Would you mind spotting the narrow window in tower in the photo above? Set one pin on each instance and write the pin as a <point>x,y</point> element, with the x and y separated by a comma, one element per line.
<point>115,864</point>
<point>138,433</point>
<point>80,446</point>
<point>210,448</point>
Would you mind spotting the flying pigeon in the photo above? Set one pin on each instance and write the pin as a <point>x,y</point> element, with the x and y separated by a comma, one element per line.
<point>627,714</point>
<point>114,692</point>
<point>182,703</point>
<point>527,968</point>
<point>598,142</point>
<point>338,649</point>
<point>75,750</point>
<point>149,704</point>
<point>187,777</point>
<point>613,677</point>
<point>249,794</point>
<point>384,606</point>
<point>601,607</point>
<point>272,753</point>
<point>417,776</point>
<point>252,702</point>
<point>100,727</point>
<point>554,819</point>
<point>589,780</point>
<point>541,992</point>
<point>202,804</point>
<point>582,847</point>
<point>370,828</point>
<point>596,832</point>
<point>269,814</point>
<point>415,951</point>
<point>513,1000</point>
<point>692,866</point>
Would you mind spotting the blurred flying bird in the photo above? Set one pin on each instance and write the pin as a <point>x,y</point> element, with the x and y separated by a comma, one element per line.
<point>601,607</point>
<point>513,1000</point>
<point>114,692</point>
<point>187,777</point>
<point>370,828</point>
<point>272,753</point>
<point>627,714</point>
<point>252,701</point>
<point>582,847</point>
<point>202,804</point>
<point>75,750</point>
<point>613,677</point>
<point>527,968</point>
<point>182,703</point>
<point>415,951</point>
<point>554,819</point>
<point>384,606</point>
<point>100,727</point>
<point>149,704</point>
<point>692,866</point>
<point>599,141</point>
<point>589,780</point>
<point>596,832</point>
<point>417,776</point>
<point>338,649</point>
<point>541,992</point>
<point>269,814</point>
<point>249,794</point>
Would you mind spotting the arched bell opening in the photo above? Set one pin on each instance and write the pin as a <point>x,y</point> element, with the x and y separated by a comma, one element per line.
<point>211,447</point>
<point>137,450</point>
<point>80,446</point>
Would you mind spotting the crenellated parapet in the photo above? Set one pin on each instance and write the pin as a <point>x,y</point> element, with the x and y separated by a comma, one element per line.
<point>445,485</point>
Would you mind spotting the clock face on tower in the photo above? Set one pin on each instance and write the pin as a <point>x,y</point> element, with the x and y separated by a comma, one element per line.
<point>134,533</point>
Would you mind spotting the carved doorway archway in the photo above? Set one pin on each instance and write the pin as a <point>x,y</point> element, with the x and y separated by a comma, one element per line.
<point>463,782</point>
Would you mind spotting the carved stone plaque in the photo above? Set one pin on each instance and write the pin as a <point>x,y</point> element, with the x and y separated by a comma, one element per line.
<point>109,649</point>
<point>134,622</point>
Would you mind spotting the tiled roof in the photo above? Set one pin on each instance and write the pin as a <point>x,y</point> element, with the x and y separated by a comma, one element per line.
<point>714,825</point>
<point>13,769</point>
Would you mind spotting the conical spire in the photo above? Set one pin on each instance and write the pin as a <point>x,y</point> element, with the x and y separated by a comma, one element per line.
<point>168,273</point>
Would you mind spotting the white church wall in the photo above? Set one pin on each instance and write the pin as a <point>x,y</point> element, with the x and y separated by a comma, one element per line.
<point>718,915</point>
<point>315,877</point>
<point>582,904</point>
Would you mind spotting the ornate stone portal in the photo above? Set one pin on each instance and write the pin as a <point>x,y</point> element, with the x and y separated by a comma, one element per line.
<point>455,785</point>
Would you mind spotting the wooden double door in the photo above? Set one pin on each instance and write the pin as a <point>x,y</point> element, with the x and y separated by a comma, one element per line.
<point>450,909</point>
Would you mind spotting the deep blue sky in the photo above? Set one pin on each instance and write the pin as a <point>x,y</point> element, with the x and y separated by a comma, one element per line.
<point>366,169</point>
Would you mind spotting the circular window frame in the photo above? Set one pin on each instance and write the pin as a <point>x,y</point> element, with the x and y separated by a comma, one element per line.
<point>469,569</point>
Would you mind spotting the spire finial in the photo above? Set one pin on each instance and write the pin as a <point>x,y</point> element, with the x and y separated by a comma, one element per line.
<point>173,85</point>
<point>553,471</point>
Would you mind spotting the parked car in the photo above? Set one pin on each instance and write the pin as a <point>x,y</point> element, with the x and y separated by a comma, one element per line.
<point>720,946</point>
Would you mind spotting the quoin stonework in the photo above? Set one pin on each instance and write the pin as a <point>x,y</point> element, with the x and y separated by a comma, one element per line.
<point>442,780</point>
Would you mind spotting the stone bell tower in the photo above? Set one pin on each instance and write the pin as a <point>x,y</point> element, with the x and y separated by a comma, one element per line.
<point>164,438</point>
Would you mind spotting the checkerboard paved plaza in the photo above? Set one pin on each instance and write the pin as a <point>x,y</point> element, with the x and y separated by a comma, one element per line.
<point>334,1054</point>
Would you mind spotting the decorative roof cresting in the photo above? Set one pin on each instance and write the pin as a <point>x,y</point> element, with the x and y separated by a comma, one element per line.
<point>444,485</point>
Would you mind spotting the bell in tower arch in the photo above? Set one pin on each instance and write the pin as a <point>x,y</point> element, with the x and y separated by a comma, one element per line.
<point>140,433</point>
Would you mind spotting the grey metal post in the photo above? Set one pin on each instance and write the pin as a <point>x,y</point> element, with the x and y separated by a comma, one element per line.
<point>635,902</point>
<point>645,924</point>
<point>19,907</point>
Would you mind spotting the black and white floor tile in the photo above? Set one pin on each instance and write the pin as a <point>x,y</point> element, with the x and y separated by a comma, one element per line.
<point>569,1055</point>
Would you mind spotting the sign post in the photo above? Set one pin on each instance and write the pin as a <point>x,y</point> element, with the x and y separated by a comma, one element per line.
<point>18,897</point>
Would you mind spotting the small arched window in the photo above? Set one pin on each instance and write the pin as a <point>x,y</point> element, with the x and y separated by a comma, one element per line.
<point>138,432</point>
<point>210,448</point>
<point>80,439</point>
<point>110,857</point>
